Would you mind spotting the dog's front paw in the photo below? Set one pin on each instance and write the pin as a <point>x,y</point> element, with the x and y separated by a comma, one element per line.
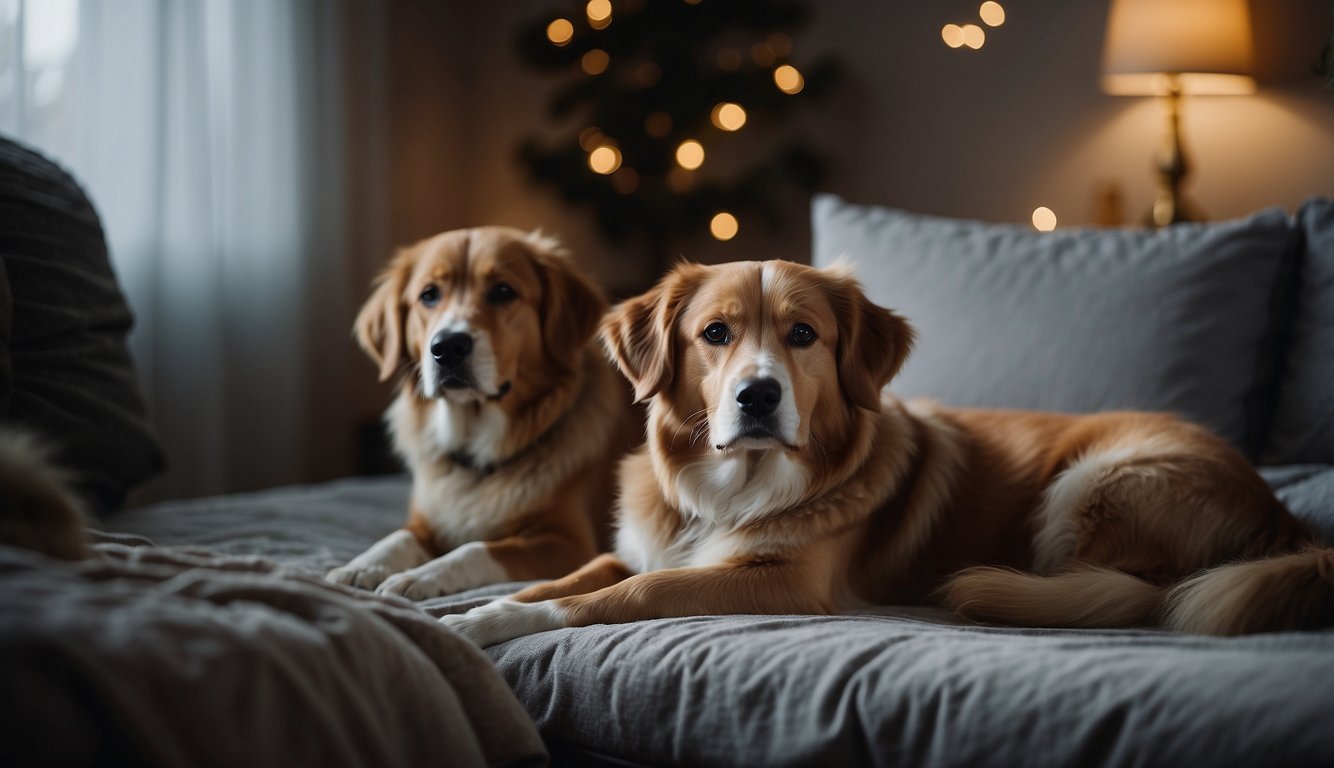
<point>503,620</point>
<point>413,586</point>
<point>361,577</point>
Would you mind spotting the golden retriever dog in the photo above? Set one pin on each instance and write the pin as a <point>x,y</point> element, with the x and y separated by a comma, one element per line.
<point>777,478</point>
<point>507,415</point>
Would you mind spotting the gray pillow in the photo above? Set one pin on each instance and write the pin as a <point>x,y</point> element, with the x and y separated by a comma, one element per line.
<point>1180,319</point>
<point>1304,420</point>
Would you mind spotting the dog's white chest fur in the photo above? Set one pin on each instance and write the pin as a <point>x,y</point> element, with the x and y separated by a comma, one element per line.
<point>458,501</point>
<point>469,428</point>
<point>739,488</point>
<point>716,497</point>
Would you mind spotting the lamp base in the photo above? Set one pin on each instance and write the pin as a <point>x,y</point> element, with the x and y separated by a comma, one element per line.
<point>1169,206</point>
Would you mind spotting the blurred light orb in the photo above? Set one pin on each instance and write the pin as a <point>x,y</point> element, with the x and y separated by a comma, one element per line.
<point>729,116</point>
<point>993,15</point>
<point>591,138</point>
<point>952,34</point>
<point>647,73</point>
<point>560,31</point>
<point>973,36</point>
<point>761,54</point>
<point>1044,219</point>
<point>723,226</point>
<point>680,180</point>
<point>595,61</point>
<point>599,13</point>
<point>605,159</point>
<point>690,154</point>
<point>788,79</point>
<point>658,124</point>
<point>729,59</point>
<point>780,44</point>
<point>625,181</point>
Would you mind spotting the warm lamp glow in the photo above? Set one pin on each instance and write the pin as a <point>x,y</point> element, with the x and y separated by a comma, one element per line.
<point>788,79</point>
<point>993,15</point>
<point>595,61</point>
<point>1205,44</point>
<point>560,31</point>
<point>605,159</point>
<point>723,226</point>
<point>952,34</point>
<point>690,155</point>
<point>729,116</point>
<point>1044,219</point>
<point>973,36</point>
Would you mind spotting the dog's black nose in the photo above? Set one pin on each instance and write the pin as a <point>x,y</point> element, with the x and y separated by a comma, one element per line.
<point>759,397</point>
<point>450,349</point>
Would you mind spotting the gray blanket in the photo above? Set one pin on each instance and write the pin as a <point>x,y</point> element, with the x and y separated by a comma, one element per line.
<point>899,687</point>
<point>150,656</point>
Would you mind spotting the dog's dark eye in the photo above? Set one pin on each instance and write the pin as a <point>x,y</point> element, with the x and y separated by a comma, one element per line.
<point>802,335</point>
<point>430,296</point>
<point>501,293</point>
<point>717,333</point>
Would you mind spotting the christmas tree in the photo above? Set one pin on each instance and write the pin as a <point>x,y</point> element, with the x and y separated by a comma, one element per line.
<point>673,115</point>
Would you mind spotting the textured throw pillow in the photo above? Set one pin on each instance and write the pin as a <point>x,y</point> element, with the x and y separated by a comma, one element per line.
<point>71,379</point>
<point>1303,429</point>
<point>1180,319</point>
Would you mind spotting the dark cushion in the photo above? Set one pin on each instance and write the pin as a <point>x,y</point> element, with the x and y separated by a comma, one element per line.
<point>1304,420</point>
<point>72,380</point>
<point>1182,319</point>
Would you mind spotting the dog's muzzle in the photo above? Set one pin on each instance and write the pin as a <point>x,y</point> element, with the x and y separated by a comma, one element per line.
<point>758,399</point>
<point>451,350</point>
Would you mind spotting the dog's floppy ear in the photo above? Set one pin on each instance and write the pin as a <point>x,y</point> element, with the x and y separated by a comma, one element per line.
<point>873,342</point>
<point>571,304</point>
<point>639,334</point>
<point>379,325</point>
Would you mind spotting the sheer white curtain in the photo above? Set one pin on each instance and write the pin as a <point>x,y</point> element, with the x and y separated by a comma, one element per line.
<point>207,133</point>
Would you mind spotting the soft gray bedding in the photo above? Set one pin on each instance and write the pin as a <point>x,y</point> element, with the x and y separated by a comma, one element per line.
<point>173,656</point>
<point>918,687</point>
<point>903,686</point>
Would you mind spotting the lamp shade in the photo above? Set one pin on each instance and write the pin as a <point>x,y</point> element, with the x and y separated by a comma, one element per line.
<point>1205,45</point>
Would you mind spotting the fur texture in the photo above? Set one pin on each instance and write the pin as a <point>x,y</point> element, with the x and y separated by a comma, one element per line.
<point>38,511</point>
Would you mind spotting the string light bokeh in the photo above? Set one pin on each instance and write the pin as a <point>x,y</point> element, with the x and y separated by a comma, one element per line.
<point>673,117</point>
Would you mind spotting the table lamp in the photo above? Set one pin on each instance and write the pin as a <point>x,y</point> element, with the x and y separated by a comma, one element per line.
<point>1170,49</point>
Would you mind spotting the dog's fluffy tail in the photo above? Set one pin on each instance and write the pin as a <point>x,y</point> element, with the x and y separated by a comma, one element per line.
<point>1080,596</point>
<point>1286,592</point>
<point>1293,591</point>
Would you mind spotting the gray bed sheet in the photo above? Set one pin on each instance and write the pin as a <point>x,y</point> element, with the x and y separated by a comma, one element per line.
<point>900,686</point>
